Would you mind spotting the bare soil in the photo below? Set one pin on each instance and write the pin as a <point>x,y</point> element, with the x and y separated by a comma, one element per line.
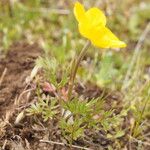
<point>15,67</point>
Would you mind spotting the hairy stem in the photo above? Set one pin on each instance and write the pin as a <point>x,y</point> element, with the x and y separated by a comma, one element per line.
<point>75,66</point>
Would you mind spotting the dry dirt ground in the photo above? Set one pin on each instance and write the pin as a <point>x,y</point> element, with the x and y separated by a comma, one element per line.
<point>14,69</point>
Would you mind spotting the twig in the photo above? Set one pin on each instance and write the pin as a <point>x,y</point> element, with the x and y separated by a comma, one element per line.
<point>139,141</point>
<point>10,7</point>
<point>135,54</point>
<point>63,144</point>
<point>20,96</point>
<point>4,145</point>
<point>147,134</point>
<point>25,106</point>
<point>2,76</point>
<point>47,10</point>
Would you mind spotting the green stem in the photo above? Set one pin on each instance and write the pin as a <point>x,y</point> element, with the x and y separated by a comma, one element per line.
<point>75,66</point>
<point>10,7</point>
<point>135,133</point>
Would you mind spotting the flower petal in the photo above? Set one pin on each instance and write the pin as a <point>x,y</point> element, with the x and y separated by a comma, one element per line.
<point>85,30</point>
<point>104,38</point>
<point>79,12</point>
<point>92,26</point>
<point>96,17</point>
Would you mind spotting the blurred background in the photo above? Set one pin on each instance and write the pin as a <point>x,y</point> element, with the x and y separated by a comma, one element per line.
<point>52,26</point>
<point>49,21</point>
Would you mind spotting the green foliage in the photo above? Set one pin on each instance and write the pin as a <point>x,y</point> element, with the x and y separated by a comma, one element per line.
<point>52,71</point>
<point>137,95</point>
<point>88,115</point>
<point>137,19</point>
<point>109,71</point>
<point>83,115</point>
<point>141,110</point>
<point>118,134</point>
<point>72,131</point>
<point>77,107</point>
<point>13,28</point>
<point>46,108</point>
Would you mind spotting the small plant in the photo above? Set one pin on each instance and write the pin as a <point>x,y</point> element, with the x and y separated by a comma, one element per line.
<point>75,114</point>
<point>51,71</point>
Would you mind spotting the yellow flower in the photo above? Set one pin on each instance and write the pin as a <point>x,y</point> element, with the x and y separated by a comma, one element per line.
<point>92,25</point>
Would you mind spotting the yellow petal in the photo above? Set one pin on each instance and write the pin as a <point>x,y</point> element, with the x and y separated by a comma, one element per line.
<point>79,12</point>
<point>92,26</point>
<point>85,29</point>
<point>96,17</point>
<point>104,38</point>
